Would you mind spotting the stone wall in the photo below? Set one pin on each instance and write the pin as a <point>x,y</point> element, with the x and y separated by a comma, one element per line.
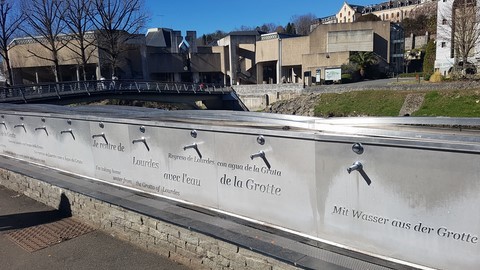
<point>182,245</point>
<point>267,88</point>
<point>259,96</point>
<point>416,42</point>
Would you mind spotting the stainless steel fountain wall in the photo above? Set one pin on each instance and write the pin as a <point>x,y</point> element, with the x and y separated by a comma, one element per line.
<point>389,187</point>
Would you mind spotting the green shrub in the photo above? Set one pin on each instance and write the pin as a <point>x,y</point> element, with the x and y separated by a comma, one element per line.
<point>429,60</point>
<point>347,78</point>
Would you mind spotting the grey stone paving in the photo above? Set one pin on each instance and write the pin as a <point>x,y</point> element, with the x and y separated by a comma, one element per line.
<point>95,250</point>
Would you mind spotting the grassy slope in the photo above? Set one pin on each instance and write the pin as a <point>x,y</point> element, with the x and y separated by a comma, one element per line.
<point>464,103</point>
<point>361,103</point>
<point>456,103</point>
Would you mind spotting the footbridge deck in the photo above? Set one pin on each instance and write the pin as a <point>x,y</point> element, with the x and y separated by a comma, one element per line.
<point>213,97</point>
<point>348,193</point>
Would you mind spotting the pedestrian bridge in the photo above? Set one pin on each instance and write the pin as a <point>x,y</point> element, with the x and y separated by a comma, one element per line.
<point>395,192</point>
<point>211,96</point>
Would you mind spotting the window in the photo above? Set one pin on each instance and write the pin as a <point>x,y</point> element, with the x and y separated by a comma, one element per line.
<point>341,15</point>
<point>386,17</point>
<point>444,21</point>
<point>349,13</point>
<point>443,44</point>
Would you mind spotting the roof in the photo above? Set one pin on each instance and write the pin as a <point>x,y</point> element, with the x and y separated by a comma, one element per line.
<point>246,33</point>
<point>357,8</point>
<point>390,4</point>
<point>160,38</point>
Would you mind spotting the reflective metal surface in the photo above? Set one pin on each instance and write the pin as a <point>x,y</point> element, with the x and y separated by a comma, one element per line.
<point>27,92</point>
<point>405,189</point>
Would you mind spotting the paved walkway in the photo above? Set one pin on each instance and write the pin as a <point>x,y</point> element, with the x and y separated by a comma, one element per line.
<point>94,250</point>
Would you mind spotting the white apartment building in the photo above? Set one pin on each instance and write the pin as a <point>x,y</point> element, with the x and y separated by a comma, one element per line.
<point>445,55</point>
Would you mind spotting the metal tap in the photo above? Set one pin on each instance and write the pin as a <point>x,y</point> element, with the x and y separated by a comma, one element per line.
<point>357,166</point>
<point>193,146</point>
<point>68,131</point>
<point>22,126</point>
<point>261,155</point>
<point>44,128</point>
<point>142,140</point>
<point>100,135</point>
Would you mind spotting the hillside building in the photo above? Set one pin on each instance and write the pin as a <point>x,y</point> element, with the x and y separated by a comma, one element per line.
<point>392,11</point>
<point>446,54</point>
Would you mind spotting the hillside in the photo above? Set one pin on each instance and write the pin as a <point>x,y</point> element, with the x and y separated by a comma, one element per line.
<point>447,103</point>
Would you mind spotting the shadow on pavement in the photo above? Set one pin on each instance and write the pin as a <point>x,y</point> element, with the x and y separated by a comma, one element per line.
<point>25,220</point>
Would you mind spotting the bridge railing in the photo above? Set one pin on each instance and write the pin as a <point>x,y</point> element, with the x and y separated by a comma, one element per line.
<point>24,92</point>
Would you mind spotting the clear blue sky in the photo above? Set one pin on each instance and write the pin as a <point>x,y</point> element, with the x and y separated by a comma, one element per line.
<point>207,16</point>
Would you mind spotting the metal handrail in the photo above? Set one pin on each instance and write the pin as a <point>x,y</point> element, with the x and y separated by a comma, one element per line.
<point>25,92</point>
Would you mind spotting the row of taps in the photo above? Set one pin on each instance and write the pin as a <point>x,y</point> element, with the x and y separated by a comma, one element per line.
<point>143,140</point>
<point>356,148</point>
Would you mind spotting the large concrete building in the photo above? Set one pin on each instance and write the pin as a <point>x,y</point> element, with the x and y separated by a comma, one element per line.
<point>246,57</point>
<point>282,58</point>
<point>238,55</point>
<point>170,57</point>
<point>162,54</point>
<point>30,60</point>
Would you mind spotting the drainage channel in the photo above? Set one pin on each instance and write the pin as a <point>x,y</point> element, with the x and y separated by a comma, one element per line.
<point>45,235</point>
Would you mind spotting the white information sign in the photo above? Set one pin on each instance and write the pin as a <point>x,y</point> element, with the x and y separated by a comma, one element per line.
<point>333,74</point>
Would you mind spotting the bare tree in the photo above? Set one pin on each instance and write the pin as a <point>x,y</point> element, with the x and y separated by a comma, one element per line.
<point>244,28</point>
<point>427,9</point>
<point>302,23</point>
<point>46,27</point>
<point>117,22</point>
<point>267,27</point>
<point>461,25</point>
<point>78,21</point>
<point>10,21</point>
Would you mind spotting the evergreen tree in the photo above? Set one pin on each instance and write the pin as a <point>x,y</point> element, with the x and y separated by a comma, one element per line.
<point>290,28</point>
<point>429,60</point>
<point>363,60</point>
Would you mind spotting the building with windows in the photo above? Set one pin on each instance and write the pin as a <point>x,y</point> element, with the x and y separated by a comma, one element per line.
<point>173,58</point>
<point>451,33</point>
<point>306,59</point>
<point>162,54</point>
<point>392,11</point>
<point>397,11</point>
<point>244,57</point>
<point>349,13</point>
<point>32,62</point>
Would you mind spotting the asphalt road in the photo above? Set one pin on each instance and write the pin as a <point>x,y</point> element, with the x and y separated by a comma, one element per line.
<point>95,250</point>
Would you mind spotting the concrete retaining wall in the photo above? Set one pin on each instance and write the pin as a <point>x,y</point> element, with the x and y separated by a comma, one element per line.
<point>259,96</point>
<point>187,247</point>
